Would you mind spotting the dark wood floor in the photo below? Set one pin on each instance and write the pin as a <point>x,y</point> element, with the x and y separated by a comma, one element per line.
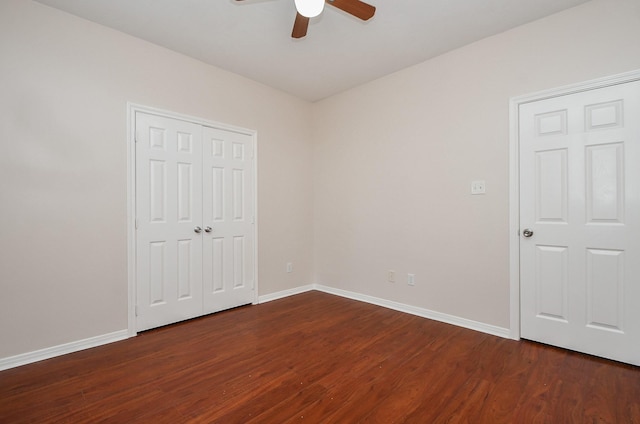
<point>319,358</point>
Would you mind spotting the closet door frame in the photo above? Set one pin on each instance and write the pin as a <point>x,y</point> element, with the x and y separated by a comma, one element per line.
<point>132,109</point>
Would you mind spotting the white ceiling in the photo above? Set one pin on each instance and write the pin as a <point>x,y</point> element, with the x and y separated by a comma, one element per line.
<point>253,38</point>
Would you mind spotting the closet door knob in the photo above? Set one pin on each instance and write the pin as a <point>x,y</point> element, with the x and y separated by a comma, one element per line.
<point>197,230</point>
<point>208,229</point>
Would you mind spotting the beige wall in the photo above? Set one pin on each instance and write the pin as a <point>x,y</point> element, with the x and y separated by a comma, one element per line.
<point>394,160</point>
<point>384,185</point>
<point>64,87</point>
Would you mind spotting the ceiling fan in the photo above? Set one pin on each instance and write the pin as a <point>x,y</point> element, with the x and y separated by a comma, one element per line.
<point>310,8</point>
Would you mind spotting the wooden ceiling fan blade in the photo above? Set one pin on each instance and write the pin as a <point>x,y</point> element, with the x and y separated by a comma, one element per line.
<point>357,8</point>
<point>300,26</point>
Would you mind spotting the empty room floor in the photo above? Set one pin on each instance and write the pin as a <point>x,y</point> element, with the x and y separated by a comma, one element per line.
<point>320,358</point>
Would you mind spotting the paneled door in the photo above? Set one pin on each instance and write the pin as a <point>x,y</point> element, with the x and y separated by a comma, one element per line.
<point>228,219</point>
<point>194,220</point>
<point>168,215</point>
<point>580,221</point>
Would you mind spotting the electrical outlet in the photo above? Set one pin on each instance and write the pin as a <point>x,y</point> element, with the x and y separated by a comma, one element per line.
<point>411,279</point>
<point>478,187</point>
<point>391,276</point>
<point>289,267</point>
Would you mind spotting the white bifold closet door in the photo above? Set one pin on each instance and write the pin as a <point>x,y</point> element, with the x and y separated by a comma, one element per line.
<point>194,218</point>
<point>580,221</point>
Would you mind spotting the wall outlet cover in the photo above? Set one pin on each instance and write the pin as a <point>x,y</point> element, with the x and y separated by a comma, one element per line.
<point>478,187</point>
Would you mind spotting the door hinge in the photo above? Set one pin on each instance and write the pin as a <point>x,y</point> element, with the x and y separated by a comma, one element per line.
<point>136,308</point>
<point>136,223</point>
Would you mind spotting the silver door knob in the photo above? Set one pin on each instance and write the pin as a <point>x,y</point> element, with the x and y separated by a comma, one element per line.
<point>527,232</point>
<point>208,229</point>
<point>197,230</point>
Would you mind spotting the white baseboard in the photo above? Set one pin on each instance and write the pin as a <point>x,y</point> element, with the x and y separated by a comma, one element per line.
<point>421,312</point>
<point>39,355</point>
<point>396,306</point>
<point>50,352</point>
<point>285,293</point>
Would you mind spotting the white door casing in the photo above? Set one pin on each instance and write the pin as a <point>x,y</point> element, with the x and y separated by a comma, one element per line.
<point>194,245</point>
<point>580,195</point>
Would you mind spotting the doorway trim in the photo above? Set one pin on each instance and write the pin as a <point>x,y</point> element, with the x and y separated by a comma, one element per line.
<point>514,178</point>
<point>132,109</point>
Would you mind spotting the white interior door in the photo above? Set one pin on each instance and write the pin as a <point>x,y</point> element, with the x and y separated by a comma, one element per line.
<point>168,210</point>
<point>580,199</point>
<point>228,218</point>
<point>194,217</point>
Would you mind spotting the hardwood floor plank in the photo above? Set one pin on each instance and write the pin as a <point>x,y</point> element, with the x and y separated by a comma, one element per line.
<point>320,358</point>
